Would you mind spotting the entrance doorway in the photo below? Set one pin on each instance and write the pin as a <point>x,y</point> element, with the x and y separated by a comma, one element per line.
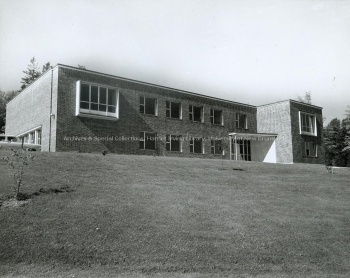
<point>241,149</point>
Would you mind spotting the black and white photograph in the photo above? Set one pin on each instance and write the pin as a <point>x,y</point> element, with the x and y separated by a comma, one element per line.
<point>175,138</point>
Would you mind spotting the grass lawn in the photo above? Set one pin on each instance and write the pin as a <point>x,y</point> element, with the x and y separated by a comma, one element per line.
<point>141,216</point>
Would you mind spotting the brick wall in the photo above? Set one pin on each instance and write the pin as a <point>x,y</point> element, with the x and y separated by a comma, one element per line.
<point>31,108</point>
<point>131,122</point>
<point>299,139</point>
<point>275,118</point>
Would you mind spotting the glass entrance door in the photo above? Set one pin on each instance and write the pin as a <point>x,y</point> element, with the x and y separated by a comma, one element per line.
<point>243,149</point>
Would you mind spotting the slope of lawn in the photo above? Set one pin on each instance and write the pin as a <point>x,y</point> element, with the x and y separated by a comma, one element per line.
<point>139,216</point>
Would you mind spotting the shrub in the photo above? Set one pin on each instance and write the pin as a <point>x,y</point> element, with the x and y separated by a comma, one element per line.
<point>17,162</point>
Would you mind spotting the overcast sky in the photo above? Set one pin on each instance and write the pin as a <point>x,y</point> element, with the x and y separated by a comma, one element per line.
<point>247,51</point>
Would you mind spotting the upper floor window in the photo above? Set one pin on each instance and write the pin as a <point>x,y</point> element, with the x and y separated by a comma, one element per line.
<point>307,124</point>
<point>148,106</point>
<point>173,110</point>
<point>196,113</point>
<point>241,121</point>
<point>216,117</point>
<point>310,149</point>
<point>174,143</point>
<point>95,100</point>
<point>148,140</point>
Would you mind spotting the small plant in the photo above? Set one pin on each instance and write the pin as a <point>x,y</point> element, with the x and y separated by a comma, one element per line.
<point>18,161</point>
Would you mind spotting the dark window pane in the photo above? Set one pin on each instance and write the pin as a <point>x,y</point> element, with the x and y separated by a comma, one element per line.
<point>175,110</point>
<point>150,104</point>
<point>150,141</point>
<point>103,95</point>
<point>84,92</point>
<point>142,108</point>
<point>84,105</point>
<point>217,117</point>
<point>242,121</point>
<point>111,109</point>
<point>175,143</point>
<point>218,146</point>
<point>197,114</point>
<point>112,97</point>
<point>102,107</point>
<point>94,106</point>
<point>168,146</point>
<point>142,145</point>
<point>167,104</point>
<point>94,94</point>
<point>198,145</point>
<point>167,113</point>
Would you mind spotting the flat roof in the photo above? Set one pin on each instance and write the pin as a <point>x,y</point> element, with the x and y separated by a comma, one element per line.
<point>292,100</point>
<point>241,134</point>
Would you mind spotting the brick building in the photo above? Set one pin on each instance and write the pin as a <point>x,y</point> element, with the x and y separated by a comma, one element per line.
<point>72,109</point>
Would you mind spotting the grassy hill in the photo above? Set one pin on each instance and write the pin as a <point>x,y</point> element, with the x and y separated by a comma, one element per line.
<point>138,216</point>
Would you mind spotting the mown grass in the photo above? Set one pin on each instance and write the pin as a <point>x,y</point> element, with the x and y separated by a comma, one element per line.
<point>137,216</point>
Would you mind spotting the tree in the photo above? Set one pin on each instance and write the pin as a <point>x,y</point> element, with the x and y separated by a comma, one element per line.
<point>347,126</point>
<point>5,97</point>
<point>81,67</point>
<point>306,98</point>
<point>32,73</point>
<point>46,67</point>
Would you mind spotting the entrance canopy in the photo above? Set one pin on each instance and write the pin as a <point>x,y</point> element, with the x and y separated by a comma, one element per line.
<point>253,146</point>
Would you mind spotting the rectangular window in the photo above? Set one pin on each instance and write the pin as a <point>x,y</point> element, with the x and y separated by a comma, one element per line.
<point>196,113</point>
<point>241,121</point>
<point>173,110</point>
<point>148,140</point>
<point>31,137</point>
<point>310,149</point>
<point>216,147</point>
<point>173,143</point>
<point>307,124</point>
<point>96,100</point>
<point>148,106</point>
<point>196,145</point>
<point>216,117</point>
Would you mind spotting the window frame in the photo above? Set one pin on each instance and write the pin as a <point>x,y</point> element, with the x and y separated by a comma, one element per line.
<point>310,146</point>
<point>312,120</point>
<point>192,147</point>
<point>168,142</point>
<point>143,104</point>
<point>32,136</point>
<point>191,113</point>
<point>238,116</point>
<point>168,109</point>
<point>143,139</point>
<point>213,144</point>
<point>212,116</point>
<point>92,113</point>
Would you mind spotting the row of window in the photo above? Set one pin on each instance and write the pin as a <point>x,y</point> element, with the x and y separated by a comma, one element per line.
<point>174,143</point>
<point>32,137</point>
<point>149,106</point>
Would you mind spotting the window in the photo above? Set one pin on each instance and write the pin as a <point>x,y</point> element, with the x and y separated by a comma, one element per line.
<point>148,106</point>
<point>173,143</point>
<point>196,113</point>
<point>216,117</point>
<point>241,121</point>
<point>241,149</point>
<point>196,145</point>
<point>148,141</point>
<point>310,149</point>
<point>96,101</point>
<point>173,110</point>
<point>216,147</point>
<point>307,124</point>
<point>31,137</point>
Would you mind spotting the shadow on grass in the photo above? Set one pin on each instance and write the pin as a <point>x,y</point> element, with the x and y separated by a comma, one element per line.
<point>24,198</point>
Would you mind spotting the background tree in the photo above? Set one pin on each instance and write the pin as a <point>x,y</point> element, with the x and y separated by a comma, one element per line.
<point>5,97</point>
<point>306,98</point>
<point>46,67</point>
<point>81,67</point>
<point>32,73</point>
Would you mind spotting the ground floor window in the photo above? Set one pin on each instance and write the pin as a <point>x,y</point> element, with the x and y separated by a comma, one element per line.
<point>196,145</point>
<point>174,143</point>
<point>31,137</point>
<point>148,140</point>
<point>241,149</point>
<point>310,149</point>
<point>216,147</point>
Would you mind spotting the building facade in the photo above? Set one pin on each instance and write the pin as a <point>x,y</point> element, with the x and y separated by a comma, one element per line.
<point>71,109</point>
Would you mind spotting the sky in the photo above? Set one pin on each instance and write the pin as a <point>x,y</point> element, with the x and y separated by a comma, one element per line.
<point>250,51</point>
